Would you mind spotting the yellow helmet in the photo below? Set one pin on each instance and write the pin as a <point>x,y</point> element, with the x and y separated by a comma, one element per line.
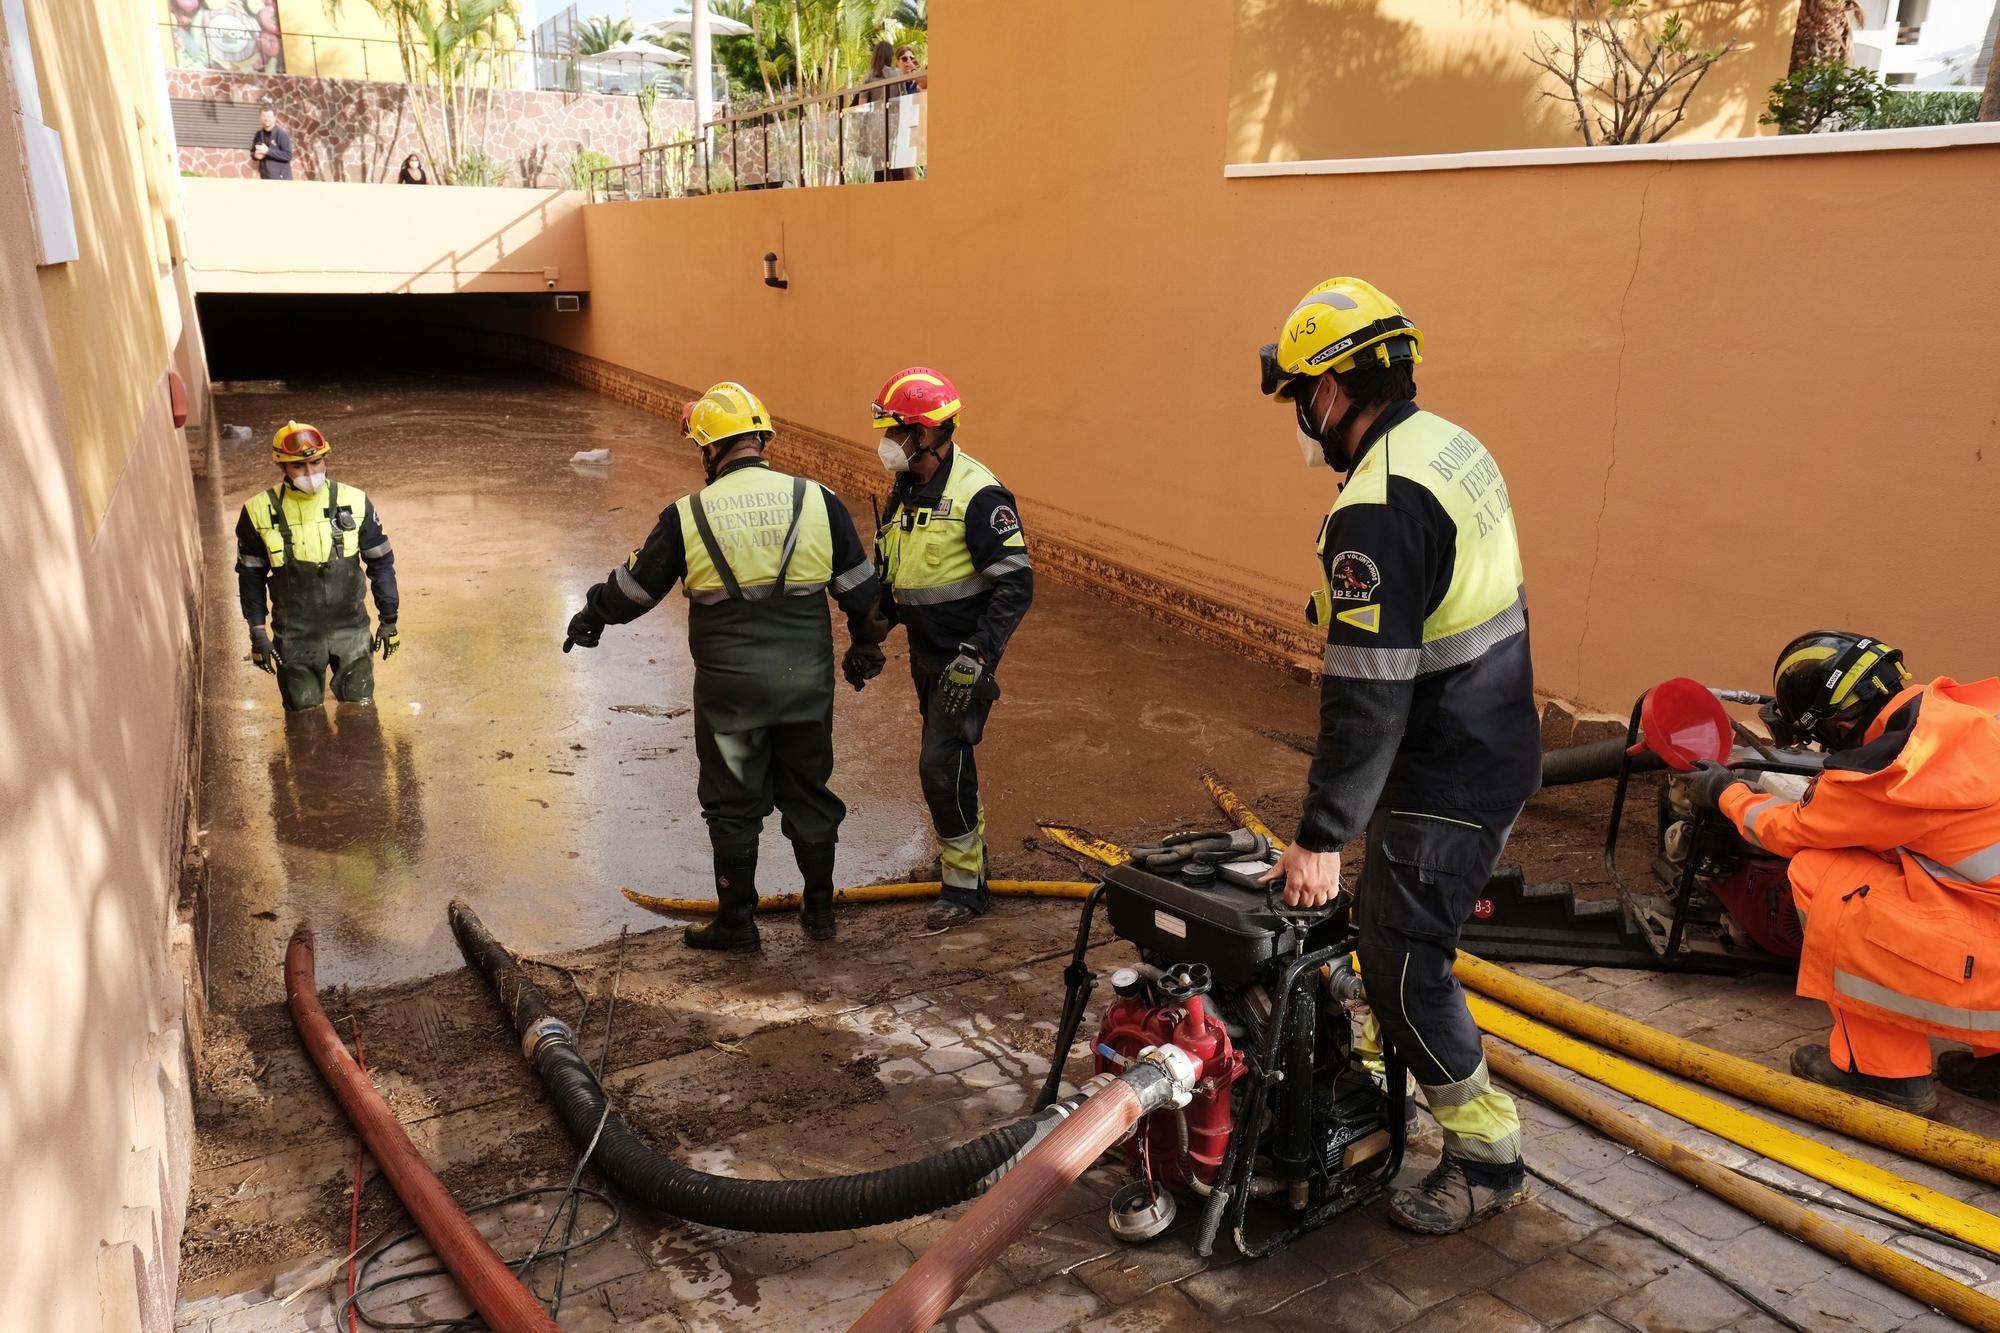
<point>297,442</point>
<point>1335,326</point>
<point>725,411</point>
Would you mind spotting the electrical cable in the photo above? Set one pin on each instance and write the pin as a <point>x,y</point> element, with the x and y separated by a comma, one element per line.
<point>571,1204</point>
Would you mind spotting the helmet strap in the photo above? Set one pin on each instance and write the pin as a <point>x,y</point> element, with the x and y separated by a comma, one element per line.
<point>1332,440</point>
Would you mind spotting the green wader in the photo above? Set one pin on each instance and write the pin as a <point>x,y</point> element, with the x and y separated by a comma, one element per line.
<point>319,622</point>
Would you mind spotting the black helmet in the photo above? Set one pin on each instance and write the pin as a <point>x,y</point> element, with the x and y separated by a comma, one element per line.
<point>1830,685</point>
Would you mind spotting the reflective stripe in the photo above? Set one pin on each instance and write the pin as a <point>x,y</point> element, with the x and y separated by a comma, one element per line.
<point>947,592</point>
<point>854,577</point>
<point>375,552</point>
<point>252,562</point>
<point>761,593</point>
<point>1349,662</point>
<point>1942,1015</point>
<point>1007,565</point>
<point>1469,645</point>
<point>1979,868</point>
<point>630,587</point>
<point>1752,815</point>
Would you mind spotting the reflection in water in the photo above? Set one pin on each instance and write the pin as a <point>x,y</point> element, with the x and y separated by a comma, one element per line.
<point>337,788</point>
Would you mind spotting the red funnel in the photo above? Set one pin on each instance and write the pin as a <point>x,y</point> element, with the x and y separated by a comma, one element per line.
<point>1682,722</point>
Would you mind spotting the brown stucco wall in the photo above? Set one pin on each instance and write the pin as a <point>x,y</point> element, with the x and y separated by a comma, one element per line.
<point>1672,360</point>
<point>97,538</point>
<point>1364,78</point>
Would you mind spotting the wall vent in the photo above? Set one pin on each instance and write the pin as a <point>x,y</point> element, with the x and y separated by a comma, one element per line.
<point>568,304</point>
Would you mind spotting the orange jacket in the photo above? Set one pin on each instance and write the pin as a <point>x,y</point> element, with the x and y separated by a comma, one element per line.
<point>1896,863</point>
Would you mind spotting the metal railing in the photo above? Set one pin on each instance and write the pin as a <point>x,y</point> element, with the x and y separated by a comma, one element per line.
<point>871,131</point>
<point>307,55</point>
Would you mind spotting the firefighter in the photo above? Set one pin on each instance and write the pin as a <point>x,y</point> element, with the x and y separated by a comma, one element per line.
<point>309,538</point>
<point>756,553</point>
<point>1895,865</point>
<point>956,575</point>
<point>1429,738</point>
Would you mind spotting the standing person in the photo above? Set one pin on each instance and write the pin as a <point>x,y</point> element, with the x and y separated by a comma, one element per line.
<point>907,63</point>
<point>756,552</point>
<point>955,568</point>
<point>1895,864</point>
<point>306,541</point>
<point>1429,735</point>
<point>413,172</point>
<point>271,147</point>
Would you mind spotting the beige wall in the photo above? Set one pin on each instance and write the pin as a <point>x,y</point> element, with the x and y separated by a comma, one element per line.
<point>317,236</point>
<point>97,537</point>
<point>1674,362</point>
<point>1365,78</point>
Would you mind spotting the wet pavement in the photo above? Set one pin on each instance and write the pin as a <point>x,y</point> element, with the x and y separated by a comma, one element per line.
<point>495,766</point>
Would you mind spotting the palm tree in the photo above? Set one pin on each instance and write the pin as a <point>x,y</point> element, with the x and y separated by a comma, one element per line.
<point>599,34</point>
<point>913,14</point>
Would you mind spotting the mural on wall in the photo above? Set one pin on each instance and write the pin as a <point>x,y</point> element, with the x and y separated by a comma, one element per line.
<point>239,35</point>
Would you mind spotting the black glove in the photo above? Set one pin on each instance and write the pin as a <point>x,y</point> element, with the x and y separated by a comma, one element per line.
<point>862,663</point>
<point>954,688</point>
<point>387,640</point>
<point>261,652</point>
<point>584,629</point>
<point>1707,783</point>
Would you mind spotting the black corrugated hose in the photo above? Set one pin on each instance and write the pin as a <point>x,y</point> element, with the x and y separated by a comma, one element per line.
<point>826,1203</point>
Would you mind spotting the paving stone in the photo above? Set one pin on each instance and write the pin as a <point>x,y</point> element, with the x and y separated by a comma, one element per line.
<point>1349,1244</point>
<point>1703,1215</point>
<point>1771,1261</point>
<point>1434,1271</point>
<point>1636,1186</point>
<point>1474,1312</point>
<point>1594,1323</point>
<point>1043,1308</point>
<point>1561,1287</point>
<point>1042,1254</point>
<point>1533,1231</point>
<point>1162,1311</point>
<point>1131,1271</point>
<point>1622,1250</point>
<point>1250,1288</point>
<point>1757,1322</point>
<point>1355,1300</point>
<point>1685,1300</point>
<point>1825,1304</point>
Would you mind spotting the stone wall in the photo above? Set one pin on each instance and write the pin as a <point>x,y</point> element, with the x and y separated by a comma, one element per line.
<point>355,130</point>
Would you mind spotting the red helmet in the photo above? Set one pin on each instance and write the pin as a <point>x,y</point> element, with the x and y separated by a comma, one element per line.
<point>918,396</point>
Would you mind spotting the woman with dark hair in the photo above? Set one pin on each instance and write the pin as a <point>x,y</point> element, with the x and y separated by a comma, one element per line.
<point>908,63</point>
<point>413,172</point>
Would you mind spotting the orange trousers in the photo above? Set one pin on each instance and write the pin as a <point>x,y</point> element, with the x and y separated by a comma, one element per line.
<point>1863,1045</point>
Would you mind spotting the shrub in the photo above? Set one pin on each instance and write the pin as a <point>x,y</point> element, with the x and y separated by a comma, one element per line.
<point>1899,111</point>
<point>579,167</point>
<point>478,167</point>
<point>1827,97</point>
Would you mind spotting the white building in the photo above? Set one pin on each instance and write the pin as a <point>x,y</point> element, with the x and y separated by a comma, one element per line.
<point>1927,45</point>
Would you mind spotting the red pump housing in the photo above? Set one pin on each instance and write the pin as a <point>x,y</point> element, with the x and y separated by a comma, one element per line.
<point>1134,1023</point>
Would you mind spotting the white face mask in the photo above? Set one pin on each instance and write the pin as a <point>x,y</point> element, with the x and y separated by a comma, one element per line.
<point>1310,449</point>
<point>309,483</point>
<point>892,455</point>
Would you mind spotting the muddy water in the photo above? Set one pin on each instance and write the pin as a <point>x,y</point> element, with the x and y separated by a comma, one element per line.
<point>535,783</point>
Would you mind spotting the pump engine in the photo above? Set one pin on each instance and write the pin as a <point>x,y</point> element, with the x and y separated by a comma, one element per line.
<point>1287,1112</point>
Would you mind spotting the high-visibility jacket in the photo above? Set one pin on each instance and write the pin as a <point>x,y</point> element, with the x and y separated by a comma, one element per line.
<point>1895,852</point>
<point>955,559</point>
<point>308,551</point>
<point>770,530</point>
<point>1427,693</point>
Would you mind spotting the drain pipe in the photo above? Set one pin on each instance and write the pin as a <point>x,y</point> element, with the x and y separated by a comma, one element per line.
<point>1162,1078</point>
<point>490,1286</point>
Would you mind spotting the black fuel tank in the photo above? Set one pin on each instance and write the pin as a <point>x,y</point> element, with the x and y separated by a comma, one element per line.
<point>1231,930</point>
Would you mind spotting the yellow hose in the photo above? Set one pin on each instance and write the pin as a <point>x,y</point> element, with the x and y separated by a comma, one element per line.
<point>1899,1271</point>
<point>1085,843</point>
<point>1905,1198</point>
<point>1911,1135</point>
<point>1239,814</point>
<point>872,893</point>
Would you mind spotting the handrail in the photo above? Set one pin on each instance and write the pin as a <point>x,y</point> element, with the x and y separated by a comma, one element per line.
<point>777,108</point>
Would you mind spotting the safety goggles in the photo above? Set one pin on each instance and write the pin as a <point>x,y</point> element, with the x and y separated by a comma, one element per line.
<point>1273,382</point>
<point>303,444</point>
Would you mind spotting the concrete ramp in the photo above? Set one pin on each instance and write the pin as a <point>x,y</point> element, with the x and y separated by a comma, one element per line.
<point>322,237</point>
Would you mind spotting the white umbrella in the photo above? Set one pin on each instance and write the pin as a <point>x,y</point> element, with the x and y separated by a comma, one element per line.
<point>641,50</point>
<point>717,26</point>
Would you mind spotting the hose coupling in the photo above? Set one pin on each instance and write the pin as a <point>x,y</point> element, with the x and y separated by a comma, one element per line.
<point>1182,1072</point>
<point>546,1030</point>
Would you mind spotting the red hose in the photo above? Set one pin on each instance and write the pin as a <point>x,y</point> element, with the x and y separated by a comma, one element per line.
<point>923,1293</point>
<point>491,1287</point>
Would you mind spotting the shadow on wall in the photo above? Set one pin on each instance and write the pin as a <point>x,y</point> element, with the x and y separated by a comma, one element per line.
<point>1345,78</point>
